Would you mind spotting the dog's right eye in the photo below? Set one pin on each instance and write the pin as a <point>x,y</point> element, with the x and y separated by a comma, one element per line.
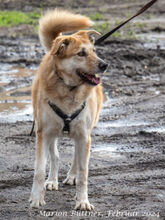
<point>82,53</point>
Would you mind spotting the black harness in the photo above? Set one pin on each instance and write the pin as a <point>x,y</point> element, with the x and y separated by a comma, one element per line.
<point>66,118</point>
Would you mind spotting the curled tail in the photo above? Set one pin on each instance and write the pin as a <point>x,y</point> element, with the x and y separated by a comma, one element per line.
<point>57,21</point>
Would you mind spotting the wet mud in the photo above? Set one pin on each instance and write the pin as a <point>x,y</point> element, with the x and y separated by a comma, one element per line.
<point>127,165</point>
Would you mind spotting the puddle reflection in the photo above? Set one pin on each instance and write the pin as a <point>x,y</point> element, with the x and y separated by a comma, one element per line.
<point>15,93</point>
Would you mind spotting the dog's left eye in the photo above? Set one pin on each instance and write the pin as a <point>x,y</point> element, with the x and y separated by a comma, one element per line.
<point>82,53</point>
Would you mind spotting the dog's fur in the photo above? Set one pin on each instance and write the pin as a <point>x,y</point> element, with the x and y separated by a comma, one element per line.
<point>57,80</point>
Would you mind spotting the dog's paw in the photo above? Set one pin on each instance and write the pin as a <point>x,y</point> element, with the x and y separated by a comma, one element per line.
<point>84,206</point>
<point>70,180</point>
<point>36,203</point>
<point>51,185</point>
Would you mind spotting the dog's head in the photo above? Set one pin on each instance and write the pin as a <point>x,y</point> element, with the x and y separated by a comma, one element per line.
<point>76,60</point>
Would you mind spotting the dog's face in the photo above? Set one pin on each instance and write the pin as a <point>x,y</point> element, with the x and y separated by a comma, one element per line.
<point>76,60</point>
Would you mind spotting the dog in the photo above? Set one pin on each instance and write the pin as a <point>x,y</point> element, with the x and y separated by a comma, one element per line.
<point>66,98</point>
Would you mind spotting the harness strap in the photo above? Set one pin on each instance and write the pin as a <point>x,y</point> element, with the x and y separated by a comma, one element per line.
<point>66,118</point>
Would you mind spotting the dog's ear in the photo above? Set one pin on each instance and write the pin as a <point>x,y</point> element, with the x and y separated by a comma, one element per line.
<point>59,47</point>
<point>91,34</point>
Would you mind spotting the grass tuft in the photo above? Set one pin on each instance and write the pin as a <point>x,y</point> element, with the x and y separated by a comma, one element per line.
<point>14,18</point>
<point>102,28</point>
<point>96,16</point>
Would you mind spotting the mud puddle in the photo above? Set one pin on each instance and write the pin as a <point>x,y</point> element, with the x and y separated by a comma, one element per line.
<point>15,93</point>
<point>153,40</point>
<point>127,121</point>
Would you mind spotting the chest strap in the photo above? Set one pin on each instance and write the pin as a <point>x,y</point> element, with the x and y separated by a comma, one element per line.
<point>66,118</point>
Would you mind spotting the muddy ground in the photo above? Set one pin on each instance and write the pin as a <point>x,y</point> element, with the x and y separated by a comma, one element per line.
<point>127,166</point>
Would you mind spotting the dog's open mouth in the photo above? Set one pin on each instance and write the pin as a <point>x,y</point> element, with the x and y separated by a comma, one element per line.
<point>89,78</point>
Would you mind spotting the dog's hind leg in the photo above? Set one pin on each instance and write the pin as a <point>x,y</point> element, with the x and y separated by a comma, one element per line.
<point>71,176</point>
<point>38,192</point>
<point>52,181</point>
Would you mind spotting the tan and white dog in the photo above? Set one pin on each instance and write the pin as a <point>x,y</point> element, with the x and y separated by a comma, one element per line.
<point>67,98</point>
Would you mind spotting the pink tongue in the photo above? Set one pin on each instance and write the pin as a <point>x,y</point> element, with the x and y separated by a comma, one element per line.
<point>97,80</point>
<point>94,79</point>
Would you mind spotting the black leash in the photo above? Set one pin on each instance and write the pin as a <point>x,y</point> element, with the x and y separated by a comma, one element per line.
<point>143,9</point>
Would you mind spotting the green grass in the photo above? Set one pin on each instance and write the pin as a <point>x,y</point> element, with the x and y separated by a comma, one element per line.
<point>102,28</point>
<point>14,18</point>
<point>96,16</point>
<point>91,2</point>
<point>139,25</point>
<point>131,34</point>
<point>116,34</point>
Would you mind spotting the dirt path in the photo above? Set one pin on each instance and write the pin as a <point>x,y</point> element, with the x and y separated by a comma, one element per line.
<point>127,166</point>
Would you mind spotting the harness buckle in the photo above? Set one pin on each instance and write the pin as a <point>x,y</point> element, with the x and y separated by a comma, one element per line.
<point>65,132</point>
<point>66,128</point>
<point>68,119</point>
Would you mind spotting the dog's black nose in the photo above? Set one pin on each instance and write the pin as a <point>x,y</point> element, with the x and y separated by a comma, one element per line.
<point>103,66</point>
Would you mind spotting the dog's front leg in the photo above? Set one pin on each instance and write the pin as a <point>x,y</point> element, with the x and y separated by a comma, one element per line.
<point>52,181</point>
<point>82,159</point>
<point>37,193</point>
<point>71,176</point>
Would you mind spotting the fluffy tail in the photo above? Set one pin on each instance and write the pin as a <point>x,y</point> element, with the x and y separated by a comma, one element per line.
<point>57,21</point>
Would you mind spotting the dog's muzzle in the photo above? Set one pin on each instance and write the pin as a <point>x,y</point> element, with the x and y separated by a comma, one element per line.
<point>93,79</point>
